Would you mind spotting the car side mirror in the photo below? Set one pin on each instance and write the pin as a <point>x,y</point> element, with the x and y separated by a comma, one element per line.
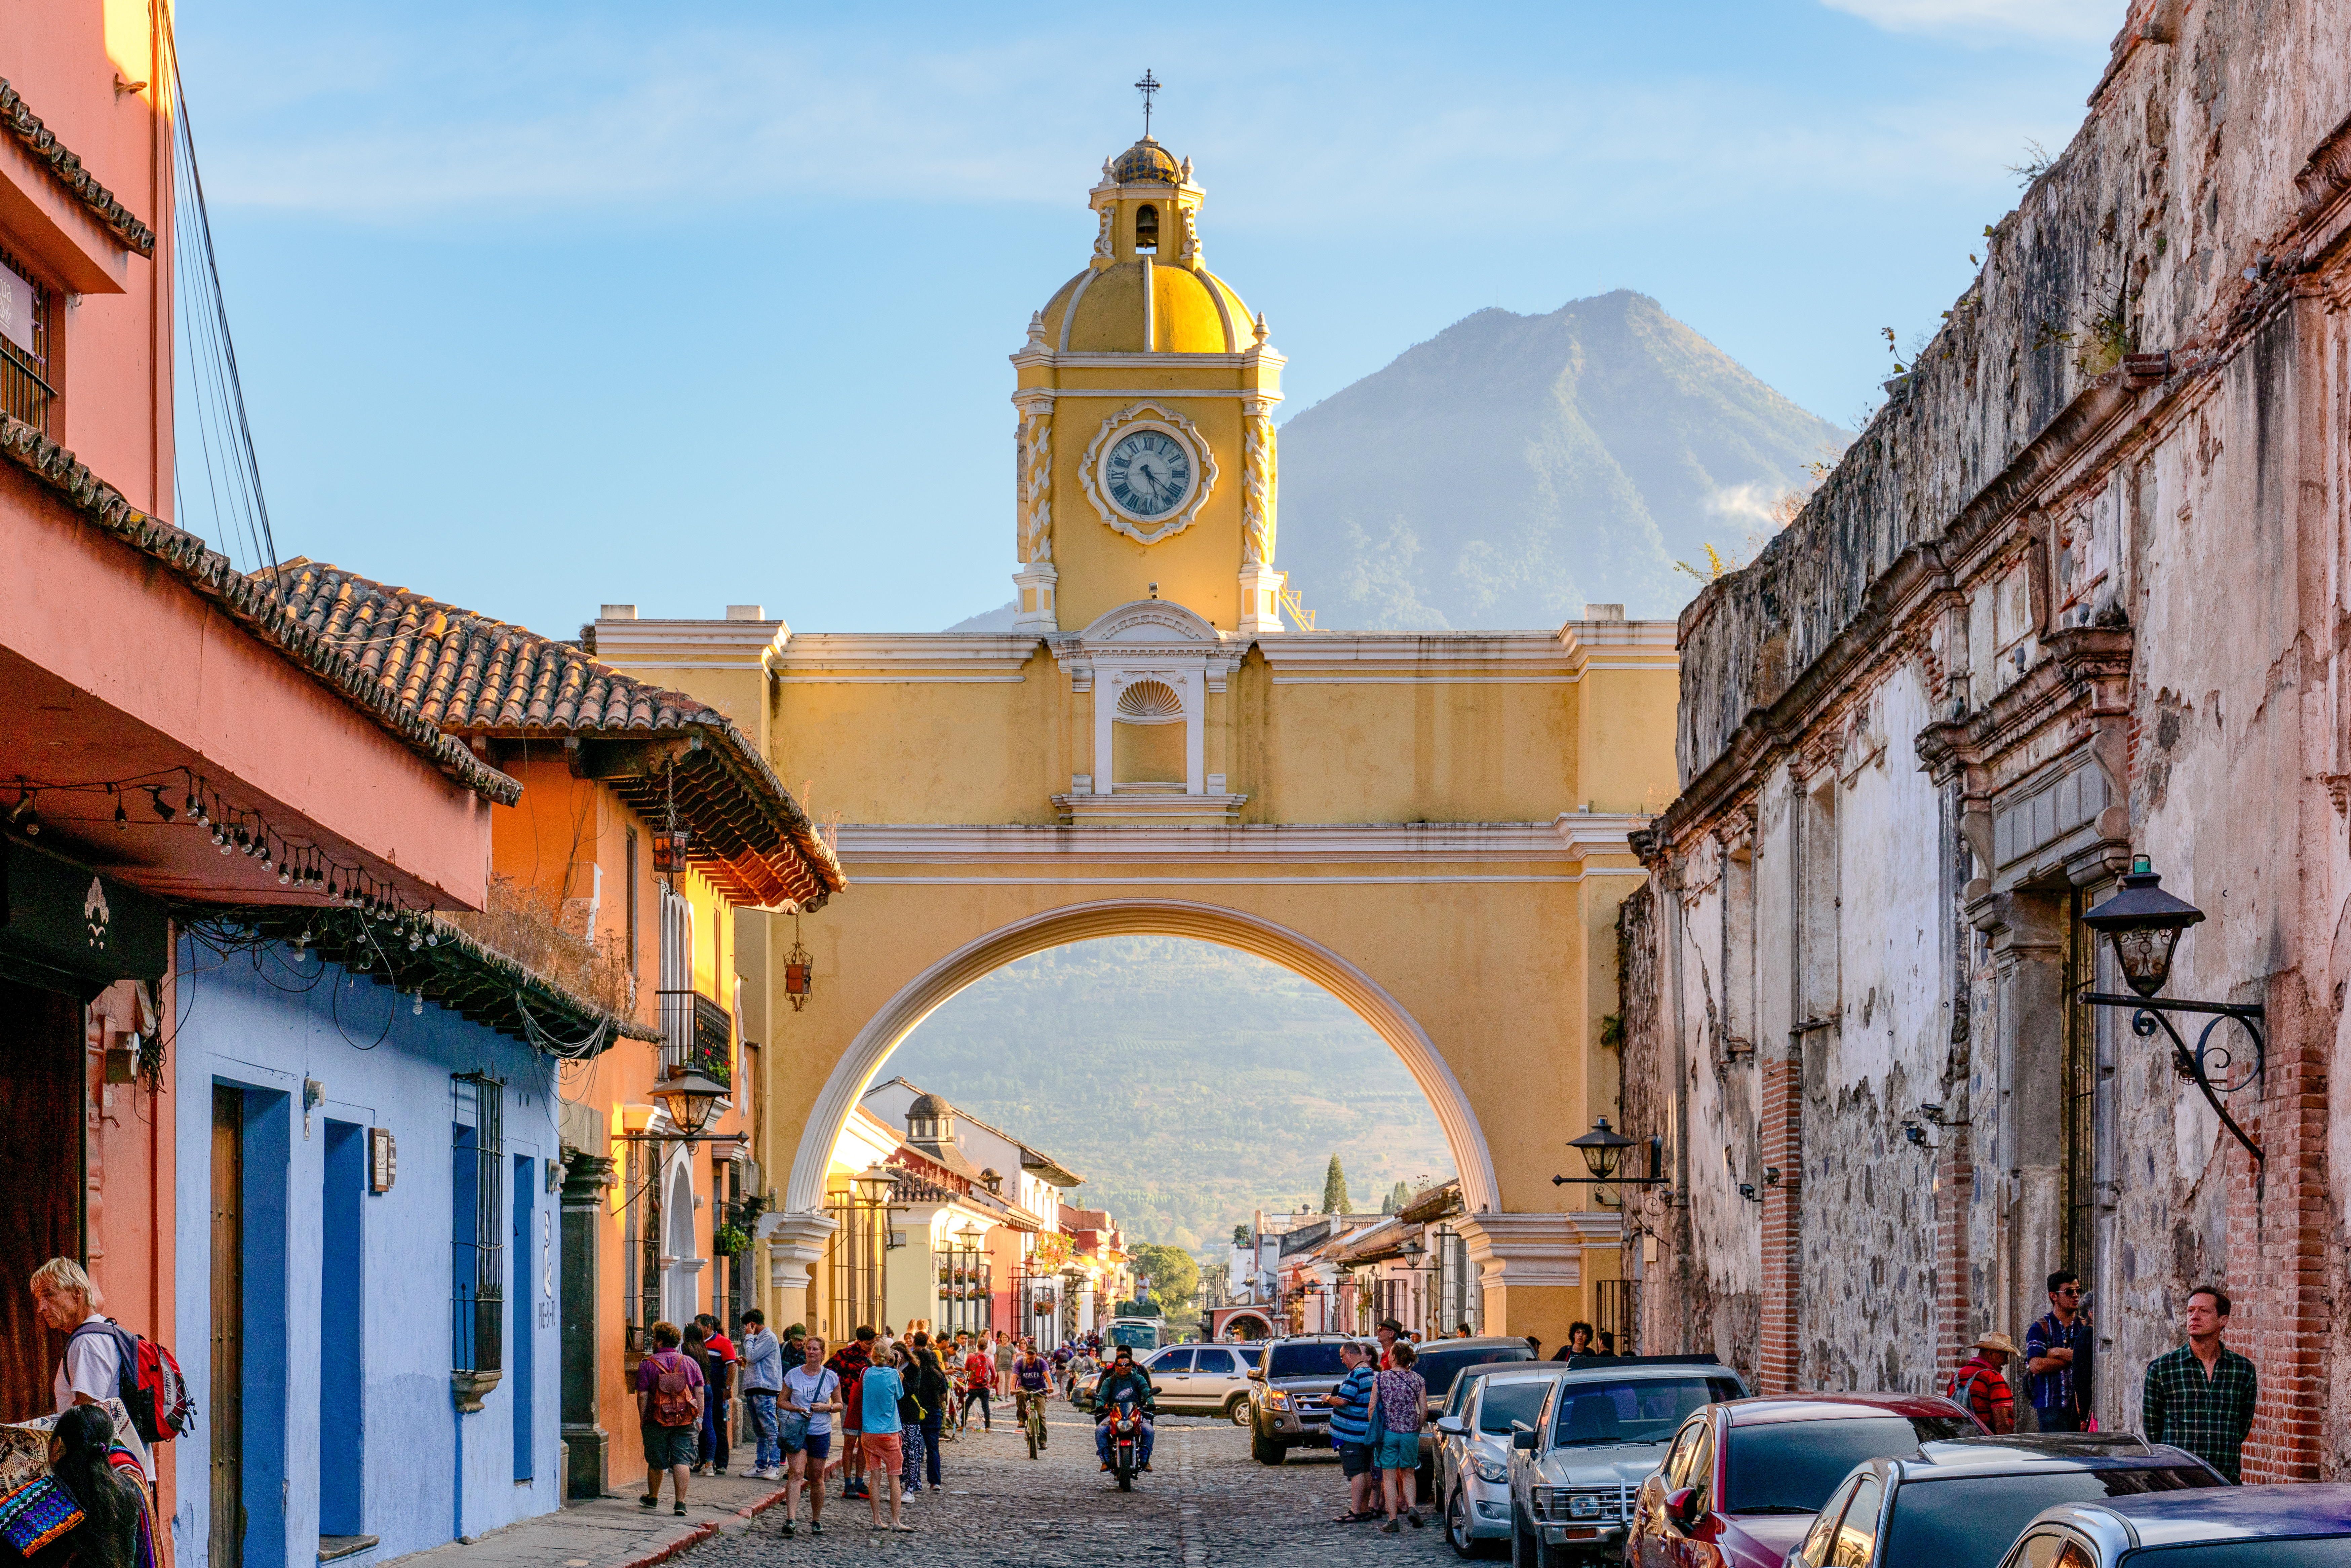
<point>1522,1437</point>
<point>1681,1507</point>
<point>1451,1426</point>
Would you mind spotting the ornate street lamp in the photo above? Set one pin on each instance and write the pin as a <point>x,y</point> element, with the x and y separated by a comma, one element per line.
<point>690,1099</point>
<point>2143,922</point>
<point>1603,1149</point>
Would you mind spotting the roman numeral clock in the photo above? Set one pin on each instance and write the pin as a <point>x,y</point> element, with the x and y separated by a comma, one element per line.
<point>1148,471</point>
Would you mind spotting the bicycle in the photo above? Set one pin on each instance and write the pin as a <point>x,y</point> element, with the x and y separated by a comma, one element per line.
<point>1032,1420</point>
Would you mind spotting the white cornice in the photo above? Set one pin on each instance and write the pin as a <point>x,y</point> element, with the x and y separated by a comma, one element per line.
<point>1467,658</point>
<point>853,658</point>
<point>689,644</point>
<point>1567,839</point>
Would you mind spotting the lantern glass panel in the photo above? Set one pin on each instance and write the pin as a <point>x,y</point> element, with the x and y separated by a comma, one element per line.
<point>2145,956</point>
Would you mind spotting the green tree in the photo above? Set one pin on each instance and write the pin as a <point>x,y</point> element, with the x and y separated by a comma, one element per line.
<point>1397,1197</point>
<point>1172,1274</point>
<point>1334,1190</point>
<point>1240,1235</point>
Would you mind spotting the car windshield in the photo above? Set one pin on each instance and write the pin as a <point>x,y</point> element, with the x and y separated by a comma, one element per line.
<point>2303,1553</point>
<point>1968,1521</point>
<point>1520,1399</point>
<point>1319,1360</point>
<point>1438,1368</point>
<point>1790,1467</point>
<point>1646,1410</point>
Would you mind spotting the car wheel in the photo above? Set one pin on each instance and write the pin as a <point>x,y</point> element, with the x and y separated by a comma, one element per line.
<point>1236,1410</point>
<point>1456,1525</point>
<point>1263,1450</point>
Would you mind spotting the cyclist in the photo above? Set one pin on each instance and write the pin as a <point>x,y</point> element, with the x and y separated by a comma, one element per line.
<point>1032,1379</point>
<point>1123,1379</point>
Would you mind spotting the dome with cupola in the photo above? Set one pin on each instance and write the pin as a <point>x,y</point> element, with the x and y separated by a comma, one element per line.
<point>1147,289</point>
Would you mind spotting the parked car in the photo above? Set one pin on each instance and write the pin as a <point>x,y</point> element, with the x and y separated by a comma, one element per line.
<point>1471,1488</point>
<point>2298,1526</point>
<point>1961,1504</point>
<point>1603,1428</point>
<point>1741,1481</point>
<point>1286,1389</point>
<point>1439,1362</point>
<point>1202,1380</point>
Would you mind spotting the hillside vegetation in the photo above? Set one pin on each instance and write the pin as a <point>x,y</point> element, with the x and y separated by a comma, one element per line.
<point>1187,1082</point>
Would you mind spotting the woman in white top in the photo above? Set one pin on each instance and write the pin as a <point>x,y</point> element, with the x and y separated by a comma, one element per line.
<point>811,1389</point>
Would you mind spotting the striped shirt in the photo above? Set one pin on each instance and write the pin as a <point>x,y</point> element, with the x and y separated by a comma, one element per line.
<point>1351,1421</point>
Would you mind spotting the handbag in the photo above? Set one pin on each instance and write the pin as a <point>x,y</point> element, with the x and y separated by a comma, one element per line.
<point>1379,1416</point>
<point>792,1428</point>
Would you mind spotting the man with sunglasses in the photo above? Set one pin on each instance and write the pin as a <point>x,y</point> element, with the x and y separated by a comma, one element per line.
<point>2057,1358</point>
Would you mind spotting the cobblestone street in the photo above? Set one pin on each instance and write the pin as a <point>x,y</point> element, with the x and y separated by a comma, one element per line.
<point>1206,1502</point>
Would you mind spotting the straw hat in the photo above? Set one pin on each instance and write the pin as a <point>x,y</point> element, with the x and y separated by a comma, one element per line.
<point>1999,1342</point>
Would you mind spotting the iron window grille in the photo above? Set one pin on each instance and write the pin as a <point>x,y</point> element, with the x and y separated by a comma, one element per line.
<point>26,392</point>
<point>856,1262</point>
<point>477,1261</point>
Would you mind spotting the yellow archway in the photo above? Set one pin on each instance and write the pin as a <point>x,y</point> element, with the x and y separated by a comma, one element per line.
<point>1310,959</point>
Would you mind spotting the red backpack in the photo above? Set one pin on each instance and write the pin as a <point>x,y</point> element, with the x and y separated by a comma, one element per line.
<point>148,1382</point>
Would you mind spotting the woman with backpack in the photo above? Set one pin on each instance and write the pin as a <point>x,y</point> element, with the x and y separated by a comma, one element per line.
<point>669,1414</point>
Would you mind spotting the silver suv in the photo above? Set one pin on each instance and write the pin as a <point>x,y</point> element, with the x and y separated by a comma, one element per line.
<point>1286,1389</point>
<point>1574,1471</point>
<point>1202,1380</point>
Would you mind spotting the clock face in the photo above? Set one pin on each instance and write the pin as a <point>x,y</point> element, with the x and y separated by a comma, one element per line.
<point>1148,473</point>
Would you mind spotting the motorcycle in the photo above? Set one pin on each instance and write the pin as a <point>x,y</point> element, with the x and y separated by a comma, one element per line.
<point>1126,1441</point>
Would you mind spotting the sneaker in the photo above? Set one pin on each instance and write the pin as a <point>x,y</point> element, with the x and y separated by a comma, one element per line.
<point>816,1527</point>
<point>1389,1528</point>
<point>648,1501</point>
<point>679,1510</point>
<point>1411,1517</point>
<point>789,1531</point>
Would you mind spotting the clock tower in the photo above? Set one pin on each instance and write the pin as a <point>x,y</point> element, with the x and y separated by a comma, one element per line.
<point>1145,440</point>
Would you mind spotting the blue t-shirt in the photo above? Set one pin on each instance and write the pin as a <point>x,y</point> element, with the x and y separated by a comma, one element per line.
<point>1352,1422</point>
<point>882,1388</point>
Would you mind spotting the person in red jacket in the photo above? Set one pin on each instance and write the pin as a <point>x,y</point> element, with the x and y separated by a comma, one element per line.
<point>1979,1385</point>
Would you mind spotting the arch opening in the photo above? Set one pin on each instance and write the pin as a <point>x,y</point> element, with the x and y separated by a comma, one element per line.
<point>1290,950</point>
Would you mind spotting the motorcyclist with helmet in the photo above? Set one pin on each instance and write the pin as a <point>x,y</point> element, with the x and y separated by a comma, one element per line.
<point>1125,1380</point>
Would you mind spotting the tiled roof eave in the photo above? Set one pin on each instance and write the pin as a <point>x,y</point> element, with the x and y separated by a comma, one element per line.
<point>251,601</point>
<point>43,144</point>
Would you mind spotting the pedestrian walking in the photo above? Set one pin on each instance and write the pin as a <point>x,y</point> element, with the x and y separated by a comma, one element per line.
<point>763,1381</point>
<point>2199,1396</point>
<point>879,1390</point>
<point>1579,1340</point>
<point>812,1397</point>
<point>669,1413</point>
<point>979,1383</point>
<point>1350,1430</point>
<point>849,1362</point>
<point>1387,1333</point>
<point>2057,1358</point>
<point>929,1386</point>
<point>1399,1405</point>
<point>722,1361</point>
<point>1978,1384</point>
<point>91,1372</point>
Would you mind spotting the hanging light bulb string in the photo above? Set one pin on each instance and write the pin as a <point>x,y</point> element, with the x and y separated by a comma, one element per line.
<point>179,796</point>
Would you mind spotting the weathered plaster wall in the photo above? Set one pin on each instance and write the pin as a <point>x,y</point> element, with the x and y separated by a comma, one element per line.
<point>2053,609</point>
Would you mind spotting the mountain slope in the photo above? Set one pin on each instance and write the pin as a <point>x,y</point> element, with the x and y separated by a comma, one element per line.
<point>1189,1083</point>
<point>1513,468</point>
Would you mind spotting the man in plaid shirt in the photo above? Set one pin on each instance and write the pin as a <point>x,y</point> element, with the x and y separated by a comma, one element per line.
<point>2201,1397</point>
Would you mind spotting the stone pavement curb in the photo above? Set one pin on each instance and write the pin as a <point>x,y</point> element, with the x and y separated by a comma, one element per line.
<point>628,1538</point>
<point>699,1533</point>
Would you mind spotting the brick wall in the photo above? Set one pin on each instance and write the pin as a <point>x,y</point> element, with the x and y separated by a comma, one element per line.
<point>1783,1146</point>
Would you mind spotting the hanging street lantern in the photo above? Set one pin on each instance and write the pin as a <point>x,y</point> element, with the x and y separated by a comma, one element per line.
<point>800,970</point>
<point>670,845</point>
<point>874,1185</point>
<point>690,1099</point>
<point>2143,923</point>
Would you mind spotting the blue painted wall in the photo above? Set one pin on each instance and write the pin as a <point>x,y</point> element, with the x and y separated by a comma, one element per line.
<point>312,1247</point>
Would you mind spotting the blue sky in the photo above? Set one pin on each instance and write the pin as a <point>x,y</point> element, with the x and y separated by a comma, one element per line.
<point>539,306</point>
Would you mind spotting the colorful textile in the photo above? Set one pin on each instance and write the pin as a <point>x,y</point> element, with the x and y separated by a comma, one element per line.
<point>2209,1417</point>
<point>134,1475</point>
<point>37,1513</point>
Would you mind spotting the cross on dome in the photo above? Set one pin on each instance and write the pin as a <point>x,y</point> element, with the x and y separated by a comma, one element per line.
<point>1147,87</point>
